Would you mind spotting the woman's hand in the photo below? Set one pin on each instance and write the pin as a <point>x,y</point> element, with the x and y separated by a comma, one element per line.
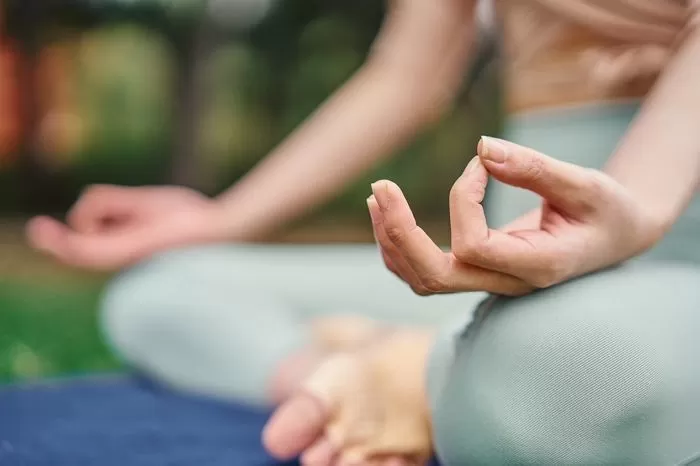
<point>111,227</point>
<point>587,222</point>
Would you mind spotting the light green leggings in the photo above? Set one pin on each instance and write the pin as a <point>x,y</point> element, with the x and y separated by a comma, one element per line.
<point>600,370</point>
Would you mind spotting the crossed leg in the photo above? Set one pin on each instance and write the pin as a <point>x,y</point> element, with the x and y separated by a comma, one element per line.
<point>600,370</point>
<point>248,322</point>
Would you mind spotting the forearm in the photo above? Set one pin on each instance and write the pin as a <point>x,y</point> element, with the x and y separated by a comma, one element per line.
<point>365,122</point>
<point>408,82</point>
<point>659,158</point>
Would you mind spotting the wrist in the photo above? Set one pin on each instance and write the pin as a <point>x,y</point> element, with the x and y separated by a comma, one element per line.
<point>229,222</point>
<point>217,226</point>
<point>657,221</point>
<point>653,217</point>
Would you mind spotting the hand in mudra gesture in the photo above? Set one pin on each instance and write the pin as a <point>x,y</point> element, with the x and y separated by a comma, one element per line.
<point>588,221</point>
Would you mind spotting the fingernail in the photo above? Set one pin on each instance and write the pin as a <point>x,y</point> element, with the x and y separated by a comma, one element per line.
<point>380,194</point>
<point>492,150</point>
<point>471,165</point>
<point>373,208</point>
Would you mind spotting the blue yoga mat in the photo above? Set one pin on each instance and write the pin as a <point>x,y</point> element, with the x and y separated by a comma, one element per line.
<point>119,421</point>
<point>124,421</point>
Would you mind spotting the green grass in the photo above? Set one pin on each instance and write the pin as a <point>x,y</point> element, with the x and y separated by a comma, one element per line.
<point>48,330</point>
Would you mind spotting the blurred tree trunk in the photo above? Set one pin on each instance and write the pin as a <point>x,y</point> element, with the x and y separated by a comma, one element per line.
<point>192,53</point>
<point>28,18</point>
<point>10,125</point>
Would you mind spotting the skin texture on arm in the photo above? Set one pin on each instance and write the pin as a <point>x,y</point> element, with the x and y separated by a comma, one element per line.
<point>414,70</point>
<point>658,161</point>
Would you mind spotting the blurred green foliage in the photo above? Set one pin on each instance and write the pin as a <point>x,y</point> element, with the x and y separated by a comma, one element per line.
<point>122,63</point>
<point>258,84</point>
<point>48,331</point>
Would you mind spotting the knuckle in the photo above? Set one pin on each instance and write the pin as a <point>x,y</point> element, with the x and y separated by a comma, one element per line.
<point>469,251</point>
<point>390,266</point>
<point>463,252</point>
<point>542,280</point>
<point>520,289</point>
<point>433,284</point>
<point>395,233</point>
<point>420,290</point>
<point>554,272</point>
<point>534,166</point>
<point>387,261</point>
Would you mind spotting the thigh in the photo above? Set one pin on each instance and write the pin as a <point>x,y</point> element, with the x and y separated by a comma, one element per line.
<point>601,370</point>
<point>309,281</point>
<point>219,319</point>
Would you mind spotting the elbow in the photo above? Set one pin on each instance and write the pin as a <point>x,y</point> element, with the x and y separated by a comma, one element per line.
<point>440,105</point>
<point>431,100</point>
<point>656,224</point>
<point>435,91</point>
<point>425,93</point>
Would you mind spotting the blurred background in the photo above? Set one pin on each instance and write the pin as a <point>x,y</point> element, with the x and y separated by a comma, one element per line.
<point>190,92</point>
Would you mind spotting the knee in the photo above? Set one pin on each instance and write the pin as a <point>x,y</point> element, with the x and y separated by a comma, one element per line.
<point>149,299</point>
<point>585,372</point>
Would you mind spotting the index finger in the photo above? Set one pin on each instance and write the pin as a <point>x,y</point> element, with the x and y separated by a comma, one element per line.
<point>97,204</point>
<point>569,187</point>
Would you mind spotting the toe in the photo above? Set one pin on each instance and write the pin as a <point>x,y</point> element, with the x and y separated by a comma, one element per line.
<point>321,453</point>
<point>295,426</point>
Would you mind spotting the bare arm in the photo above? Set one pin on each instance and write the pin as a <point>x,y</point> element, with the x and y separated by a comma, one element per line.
<point>659,158</point>
<point>413,72</point>
<point>590,220</point>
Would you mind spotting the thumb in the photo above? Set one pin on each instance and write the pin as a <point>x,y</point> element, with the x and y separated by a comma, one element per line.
<point>564,185</point>
<point>100,204</point>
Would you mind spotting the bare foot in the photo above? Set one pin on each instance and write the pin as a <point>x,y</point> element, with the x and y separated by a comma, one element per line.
<point>294,370</point>
<point>344,332</point>
<point>364,407</point>
<point>330,335</point>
